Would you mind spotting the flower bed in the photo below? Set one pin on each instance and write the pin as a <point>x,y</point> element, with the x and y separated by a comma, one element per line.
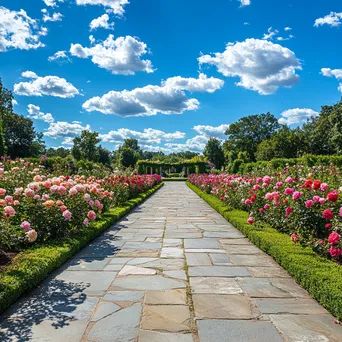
<point>38,206</point>
<point>321,277</point>
<point>303,202</point>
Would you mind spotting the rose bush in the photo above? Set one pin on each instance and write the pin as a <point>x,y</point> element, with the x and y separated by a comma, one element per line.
<point>305,203</point>
<point>36,206</point>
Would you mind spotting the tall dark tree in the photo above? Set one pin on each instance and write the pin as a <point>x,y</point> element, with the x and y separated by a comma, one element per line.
<point>214,152</point>
<point>248,132</point>
<point>128,157</point>
<point>85,146</point>
<point>104,155</point>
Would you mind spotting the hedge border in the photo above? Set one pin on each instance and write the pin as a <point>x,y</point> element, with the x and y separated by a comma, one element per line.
<point>31,266</point>
<point>174,179</point>
<point>321,277</point>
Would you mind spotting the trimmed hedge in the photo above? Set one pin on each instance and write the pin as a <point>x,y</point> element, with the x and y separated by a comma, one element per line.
<point>321,277</point>
<point>174,179</point>
<point>31,266</point>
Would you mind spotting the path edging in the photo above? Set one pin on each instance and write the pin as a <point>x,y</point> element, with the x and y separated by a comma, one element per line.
<point>321,277</point>
<point>31,266</point>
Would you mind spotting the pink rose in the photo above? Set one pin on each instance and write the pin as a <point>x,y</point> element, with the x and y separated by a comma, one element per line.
<point>261,210</point>
<point>309,203</point>
<point>9,211</point>
<point>86,197</point>
<point>86,222</point>
<point>73,191</point>
<point>328,214</point>
<point>324,186</point>
<point>63,208</point>
<point>29,192</point>
<point>2,192</point>
<point>322,200</point>
<point>9,199</point>
<point>289,180</point>
<point>289,191</point>
<point>250,220</point>
<point>67,215</point>
<point>248,202</point>
<point>266,206</point>
<point>295,238</point>
<point>18,191</point>
<point>91,215</point>
<point>334,238</point>
<point>259,180</point>
<point>288,211</point>
<point>45,197</point>
<point>31,235</point>
<point>279,184</point>
<point>297,195</point>
<point>16,202</point>
<point>25,225</point>
<point>267,179</point>
<point>335,252</point>
<point>91,203</point>
<point>340,211</point>
<point>316,199</point>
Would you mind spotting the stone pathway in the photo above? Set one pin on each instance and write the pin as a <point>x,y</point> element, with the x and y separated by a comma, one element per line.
<point>173,270</point>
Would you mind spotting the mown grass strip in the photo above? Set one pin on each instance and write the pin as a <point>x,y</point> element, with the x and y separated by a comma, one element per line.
<point>31,266</point>
<point>321,277</point>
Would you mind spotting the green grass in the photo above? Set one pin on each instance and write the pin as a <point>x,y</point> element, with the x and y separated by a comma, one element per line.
<point>321,277</point>
<point>31,266</point>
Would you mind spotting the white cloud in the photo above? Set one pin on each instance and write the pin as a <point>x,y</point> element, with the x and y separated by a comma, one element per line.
<point>297,116</point>
<point>200,84</point>
<point>68,141</point>
<point>59,56</point>
<point>270,34</point>
<point>212,131</point>
<point>196,144</point>
<point>55,16</point>
<point>262,66</point>
<point>103,22</point>
<point>19,31</point>
<point>52,3</point>
<point>14,102</point>
<point>290,36</point>
<point>245,2</point>
<point>287,28</point>
<point>169,98</point>
<point>35,113</point>
<point>48,85</point>
<point>334,19</point>
<point>63,129</point>
<point>148,136</point>
<point>115,6</point>
<point>121,56</point>
<point>337,73</point>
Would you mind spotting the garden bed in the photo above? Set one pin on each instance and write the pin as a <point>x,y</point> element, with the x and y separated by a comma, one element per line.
<point>32,265</point>
<point>321,277</point>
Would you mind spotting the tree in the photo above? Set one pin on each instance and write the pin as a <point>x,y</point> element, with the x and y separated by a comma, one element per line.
<point>58,152</point>
<point>104,155</point>
<point>6,98</point>
<point>133,144</point>
<point>3,148</point>
<point>85,146</point>
<point>248,132</point>
<point>214,152</point>
<point>128,157</point>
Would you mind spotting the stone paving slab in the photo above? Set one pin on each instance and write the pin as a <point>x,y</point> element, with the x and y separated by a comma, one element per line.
<point>172,270</point>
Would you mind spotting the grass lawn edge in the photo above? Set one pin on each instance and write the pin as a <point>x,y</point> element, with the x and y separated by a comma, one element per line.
<point>32,265</point>
<point>321,277</point>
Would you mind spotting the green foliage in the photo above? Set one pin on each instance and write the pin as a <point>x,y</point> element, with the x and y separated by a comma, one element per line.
<point>3,148</point>
<point>58,152</point>
<point>85,146</point>
<point>128,157</point>
<point>214,152</point>
<point>248,132</point>
<point>30,267</point>
<point>322,278</point>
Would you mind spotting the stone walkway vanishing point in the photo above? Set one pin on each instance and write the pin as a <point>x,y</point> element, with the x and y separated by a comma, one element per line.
<point>173,270</point>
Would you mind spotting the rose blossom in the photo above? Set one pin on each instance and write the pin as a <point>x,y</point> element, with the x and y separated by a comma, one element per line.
<point>289,180</point>
<point>289,191</point>
<point>9,211</point>
<point>334,238</point>
<point>9,199</point>
<point>91,203</point>
<point>2,192</point>
<point>91,215</point>
<point>67,214</point>
<point>25,225</point>
<point>86,197</point>
<point>18,191</point>
<point>327,214</point>
<point>2,203</point>
<point>295,238</point>
<point>16,202</point>
<point>322,200</point>
<point>332,196</point>
<point>309,203</point>
<point>324,186</point>
<point>63,208</point>
<point>261,210</point>
<point>316,199</point>
<point>45,197</point>
<point>328,225</point>
<point>29,192</point>
<point>31,235</point>
<point>266,206</point>
<point>335,252</point>
<point>288,211</point>
<point>297,195</point>
<point>86,222</point>
<point>267,179</point>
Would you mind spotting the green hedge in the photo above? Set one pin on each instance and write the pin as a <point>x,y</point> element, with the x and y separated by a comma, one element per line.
<point>174,179</point>
<point>321,277</point>
<point>31,266</point>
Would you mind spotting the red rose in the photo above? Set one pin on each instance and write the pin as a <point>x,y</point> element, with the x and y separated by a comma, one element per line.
<point>327,214</point>
<point>334,238</point>
<point>316,184</point>
<point>332,196</point>
<point>335,252</point>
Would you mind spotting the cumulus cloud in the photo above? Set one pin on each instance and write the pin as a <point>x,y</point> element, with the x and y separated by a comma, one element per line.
<point>48,85</point>
<point>121,56</point>
<point>35,113</point>
<point>297,116</point>
<point>200,84</point>
<point>115,6</point>
<point>52,3</point>
<point>19,31</point>
<point>59,56</point>
<point>337,73</point>
<point>63,129</point>
<point>195,144</point>
<point>148,136</point>
<point>245,2</point>
<point>212,131</point>
<point>333,19</point>
<point>169,98</point>
<point>262,66</point>
<point>102,21</point>
<point>54,17</point>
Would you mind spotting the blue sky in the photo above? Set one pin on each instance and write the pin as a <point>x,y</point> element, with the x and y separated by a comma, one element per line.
<point>169,73</point>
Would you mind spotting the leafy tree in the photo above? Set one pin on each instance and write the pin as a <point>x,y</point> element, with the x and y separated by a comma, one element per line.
<point>104,155</point>
<point>127,156</point>
<point>58,152</point>
<point>3,148</point>
<point>133,144</point>
<point>6,98</point>
<point>214,152</point>
<point>248,132</point>
<point>85,146</point>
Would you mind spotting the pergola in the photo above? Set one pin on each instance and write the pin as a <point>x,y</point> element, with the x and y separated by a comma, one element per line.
<point>186,166</point>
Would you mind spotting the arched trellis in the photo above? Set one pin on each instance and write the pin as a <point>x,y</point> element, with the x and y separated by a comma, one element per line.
<point>187,166</point>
